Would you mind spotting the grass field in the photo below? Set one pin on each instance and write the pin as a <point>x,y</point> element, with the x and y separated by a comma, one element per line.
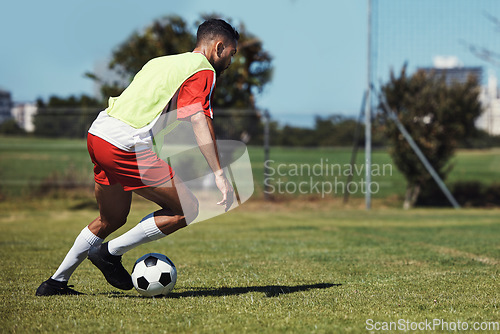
<point>28,163</point>
<point>289,266</point>
<point>263,268</point>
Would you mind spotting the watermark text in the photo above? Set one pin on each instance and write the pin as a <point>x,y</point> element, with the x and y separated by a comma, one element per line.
<point>431,325</point>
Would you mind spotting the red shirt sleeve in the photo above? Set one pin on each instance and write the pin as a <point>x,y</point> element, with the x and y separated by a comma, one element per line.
<point>195,95</point>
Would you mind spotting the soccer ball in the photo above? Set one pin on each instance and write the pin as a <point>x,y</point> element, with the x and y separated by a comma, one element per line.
<point>154,275</point>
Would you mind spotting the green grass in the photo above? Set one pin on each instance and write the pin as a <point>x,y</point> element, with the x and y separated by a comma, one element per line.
<point>293,266</point>
<point>476,165</point>
<point>263,268</point>
<point>25,163</point>
<point>469,165</point>
<point>334,161</point>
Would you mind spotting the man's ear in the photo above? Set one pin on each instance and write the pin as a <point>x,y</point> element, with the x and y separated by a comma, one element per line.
<point>219,47</point>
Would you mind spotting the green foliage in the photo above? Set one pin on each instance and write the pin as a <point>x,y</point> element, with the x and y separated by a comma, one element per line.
<point>437,115</point>
<point>338,131</point>
<point>82,101</point>
<point>329,131</point>
<point>169,35</point>
<point>466,193</point>
<point>295,136</point>
<point>66,117</point>
<point>249,73</point>
<point>10,127</point>
<point>480,139</point>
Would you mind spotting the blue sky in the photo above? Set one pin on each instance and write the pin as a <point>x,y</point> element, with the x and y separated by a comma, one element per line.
<point>319,47</point>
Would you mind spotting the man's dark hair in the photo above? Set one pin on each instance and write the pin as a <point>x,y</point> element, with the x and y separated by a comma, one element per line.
<point>212,28</point>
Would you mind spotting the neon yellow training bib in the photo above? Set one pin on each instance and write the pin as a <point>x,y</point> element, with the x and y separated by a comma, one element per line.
<point>154,86</point>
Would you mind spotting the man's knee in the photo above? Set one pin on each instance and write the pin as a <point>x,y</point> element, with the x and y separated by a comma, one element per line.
<point>103,226</point>
<point>115,222</point>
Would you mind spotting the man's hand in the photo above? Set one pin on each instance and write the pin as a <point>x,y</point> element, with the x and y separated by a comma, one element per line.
<point>226,189</point>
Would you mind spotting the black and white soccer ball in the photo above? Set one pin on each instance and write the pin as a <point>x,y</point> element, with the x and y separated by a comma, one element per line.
<point>154,275</point>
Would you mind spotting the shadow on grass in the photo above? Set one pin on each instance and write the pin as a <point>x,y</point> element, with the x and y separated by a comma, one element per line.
<point>268,290</point>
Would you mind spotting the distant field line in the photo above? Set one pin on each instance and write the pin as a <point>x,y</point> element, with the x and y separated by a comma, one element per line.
<point>459,253</point>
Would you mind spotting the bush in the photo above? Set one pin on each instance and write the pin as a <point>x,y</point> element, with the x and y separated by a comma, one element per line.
<point>467,194</point>
<point>480,139</point>
<point>10,127</point>
<point>61,184</point>
<point>492,195</point>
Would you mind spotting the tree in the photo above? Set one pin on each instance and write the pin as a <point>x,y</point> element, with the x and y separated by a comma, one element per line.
<point>165,36</point>
<point>249,73</point>
<point>66,117</point>
<point>337,130</point>
<point>437,115</point>
<point>10,127</point>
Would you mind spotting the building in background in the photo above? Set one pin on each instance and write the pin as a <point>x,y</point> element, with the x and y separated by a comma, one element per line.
<point>5,106</point>
<point>455,74</point>
<point>24,114</point>
<point>489,120</point>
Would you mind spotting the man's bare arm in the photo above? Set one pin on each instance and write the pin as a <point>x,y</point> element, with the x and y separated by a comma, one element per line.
<point>205,137</point>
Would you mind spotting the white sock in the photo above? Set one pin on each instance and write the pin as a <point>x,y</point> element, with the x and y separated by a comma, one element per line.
<point>76,254</point>
<point>143,232</point>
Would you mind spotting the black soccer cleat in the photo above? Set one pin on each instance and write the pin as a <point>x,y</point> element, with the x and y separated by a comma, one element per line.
<point>51,287</point>
<point>111,267</point>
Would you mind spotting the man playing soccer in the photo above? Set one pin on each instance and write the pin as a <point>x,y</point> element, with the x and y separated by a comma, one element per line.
<point>120,144</point>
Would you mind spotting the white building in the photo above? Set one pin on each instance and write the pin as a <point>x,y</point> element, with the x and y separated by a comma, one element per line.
<point>489,120</point>
<point>24,114</point>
